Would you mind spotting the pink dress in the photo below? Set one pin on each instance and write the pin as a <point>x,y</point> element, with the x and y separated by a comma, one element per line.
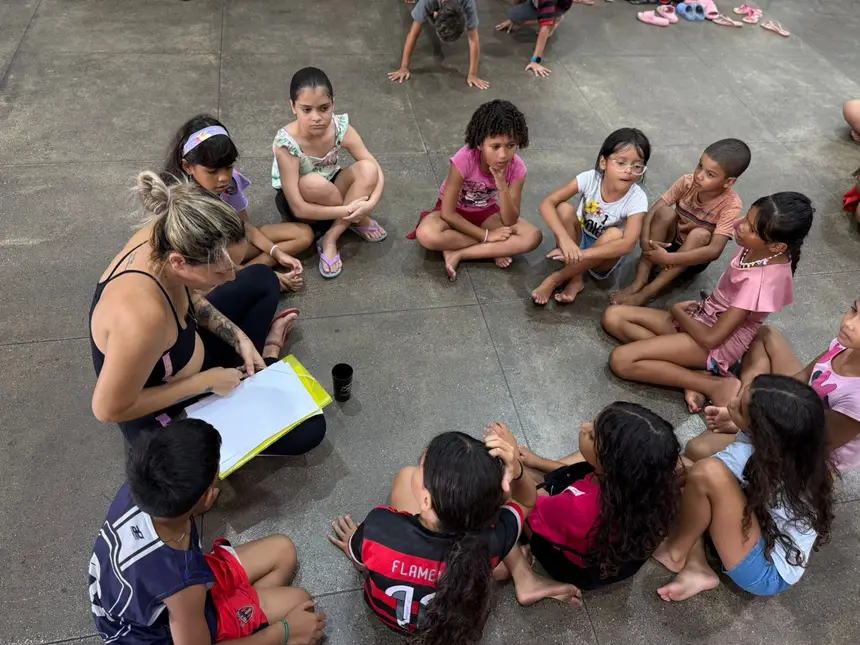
<point>840,394</point>
<point>760,290</point>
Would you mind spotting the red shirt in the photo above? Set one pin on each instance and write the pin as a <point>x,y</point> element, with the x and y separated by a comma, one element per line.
<point>565,519</point>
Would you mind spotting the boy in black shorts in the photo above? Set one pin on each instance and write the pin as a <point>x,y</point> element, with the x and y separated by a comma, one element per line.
<point>690,225</point>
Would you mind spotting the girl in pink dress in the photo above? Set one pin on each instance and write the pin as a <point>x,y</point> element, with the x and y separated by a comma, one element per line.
<point>696,343</point>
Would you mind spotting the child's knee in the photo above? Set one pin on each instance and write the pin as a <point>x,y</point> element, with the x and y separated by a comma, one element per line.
<point>403,479</point>
<point>698,237</point>
<point>709,474</point>
<point>620,362</point>
<point>696,449</point>
<point>302,237</point>
<point>427,235</point>
<point>612,318</point>
<point>612,234</point>
<point>851,112</point>
<point>316,189</point>
<point>365,172</point>
<point>566,213</point>
<point>532,237</point>
<point>283,553</point>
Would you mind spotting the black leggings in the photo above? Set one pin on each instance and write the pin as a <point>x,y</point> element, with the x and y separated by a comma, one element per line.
<point>250,302</point>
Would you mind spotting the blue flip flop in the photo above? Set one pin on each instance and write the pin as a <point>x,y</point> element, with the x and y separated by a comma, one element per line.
<point>700,12</point>
<point>686,11</point>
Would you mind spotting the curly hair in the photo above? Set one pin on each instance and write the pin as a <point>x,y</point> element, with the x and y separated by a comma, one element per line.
<point>790,465</point>
<point>497,118</point>
<point>639,495</point>
<point>450,21</point>
<point>465,485</point>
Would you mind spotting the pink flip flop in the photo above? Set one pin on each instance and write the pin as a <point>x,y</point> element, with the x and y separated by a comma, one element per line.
<point>725,21</point>
<point>753,16</point>
<point>743,10</point>
<point>775,27</point>
<point>711,11</point>
<point>651,18</point>
<point>668,12</point>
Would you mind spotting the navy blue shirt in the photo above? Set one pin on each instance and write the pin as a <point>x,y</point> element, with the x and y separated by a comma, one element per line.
<point>132,571</point>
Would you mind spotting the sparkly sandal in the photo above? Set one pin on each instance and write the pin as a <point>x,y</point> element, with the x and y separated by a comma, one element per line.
<point>775,27</point>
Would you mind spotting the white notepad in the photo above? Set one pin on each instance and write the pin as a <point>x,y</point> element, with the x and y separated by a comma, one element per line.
<point>260,408</point>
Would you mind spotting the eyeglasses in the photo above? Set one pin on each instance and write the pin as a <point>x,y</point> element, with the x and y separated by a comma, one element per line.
<point>635,168</point>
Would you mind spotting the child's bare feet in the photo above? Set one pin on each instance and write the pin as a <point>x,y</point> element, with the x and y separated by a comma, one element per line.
<point>452,260</point>
<point>694,578</point>
<point>504,263</point>
<point>568,295</point>
<point>635,299</point>
<point>695,401</point>
<point>543,293</point>
<point>533,588</point>
<point>719,420</point>
<point>290,281</point>
<point>620,297</point>
<point>663,555</point>
<point>725,391</point>
<point>855,135</point>
<point>278,333</point>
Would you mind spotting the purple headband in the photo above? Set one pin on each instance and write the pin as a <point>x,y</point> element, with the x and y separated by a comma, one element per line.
<point>200,136</point>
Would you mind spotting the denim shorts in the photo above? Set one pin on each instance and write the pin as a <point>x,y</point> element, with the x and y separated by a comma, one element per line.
<point>587,242</point>
<point>756,575</point>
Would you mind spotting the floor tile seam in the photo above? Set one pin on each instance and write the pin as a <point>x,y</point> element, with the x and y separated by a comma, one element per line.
<point>220,60</point>
<point>70,639</point>
<point>584,97</point>
<point>329,594</point>
<point>590,621</point>
<point>18,46</point>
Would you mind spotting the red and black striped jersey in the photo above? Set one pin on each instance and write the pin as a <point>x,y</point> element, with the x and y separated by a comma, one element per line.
<point>404,559</point>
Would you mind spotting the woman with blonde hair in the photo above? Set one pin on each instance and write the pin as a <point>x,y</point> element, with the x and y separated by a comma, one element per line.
<point>157,343</point>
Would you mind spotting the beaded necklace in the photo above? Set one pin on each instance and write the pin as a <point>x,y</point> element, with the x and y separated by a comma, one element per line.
<point>743,264</point>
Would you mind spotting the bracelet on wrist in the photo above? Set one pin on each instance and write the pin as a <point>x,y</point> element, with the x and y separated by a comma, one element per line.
<point>286,630</point>
<point>486,235</point>
<point>536,59</point>
<point>272,250</point>
<point>522,471</point>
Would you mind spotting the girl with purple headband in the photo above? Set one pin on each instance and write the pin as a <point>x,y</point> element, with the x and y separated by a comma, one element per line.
<point>311,186</point>
<point>203,151</point>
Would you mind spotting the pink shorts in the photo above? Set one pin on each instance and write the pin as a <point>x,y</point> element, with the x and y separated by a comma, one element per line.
<point>722,358</point>
<point>473,217</point>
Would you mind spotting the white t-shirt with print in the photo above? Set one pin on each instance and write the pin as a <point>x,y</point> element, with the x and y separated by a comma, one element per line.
<point>596,215</point>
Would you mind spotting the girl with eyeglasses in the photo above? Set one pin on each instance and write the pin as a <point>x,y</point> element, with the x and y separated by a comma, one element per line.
<point>604,228</point>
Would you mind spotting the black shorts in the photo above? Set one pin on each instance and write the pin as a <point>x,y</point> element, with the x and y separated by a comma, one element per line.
<point>691,270</point>
<point>552,556</point>
<point>318,226</point>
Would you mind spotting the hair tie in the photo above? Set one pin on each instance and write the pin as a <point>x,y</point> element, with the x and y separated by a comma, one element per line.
<point>169,197</point>
<point>201,135</point>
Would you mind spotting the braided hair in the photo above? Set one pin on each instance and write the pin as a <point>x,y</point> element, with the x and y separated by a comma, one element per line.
<point>784,217</point>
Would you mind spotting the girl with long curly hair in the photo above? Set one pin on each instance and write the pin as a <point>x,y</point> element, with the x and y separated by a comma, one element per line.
<point>602,511</point>
<point>766,501</point>
<point>477,214</point>
<point>429,557</point>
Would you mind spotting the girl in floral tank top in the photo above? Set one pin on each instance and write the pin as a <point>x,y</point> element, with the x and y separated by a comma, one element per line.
<point>311,186</point>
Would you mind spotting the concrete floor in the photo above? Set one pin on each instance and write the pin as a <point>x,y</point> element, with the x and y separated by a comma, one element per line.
<point>91,92</point>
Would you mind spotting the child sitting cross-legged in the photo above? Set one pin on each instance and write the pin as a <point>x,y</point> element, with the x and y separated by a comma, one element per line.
<point>151,583</point>
<point>690,225</point>
<point>429,558</point>
<point>766,501</point>
<point>602,511</point>
<point>695,345</point>
<point>477,215</point>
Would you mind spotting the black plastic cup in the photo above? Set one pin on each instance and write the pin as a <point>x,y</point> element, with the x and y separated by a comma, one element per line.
<point>341,376</point>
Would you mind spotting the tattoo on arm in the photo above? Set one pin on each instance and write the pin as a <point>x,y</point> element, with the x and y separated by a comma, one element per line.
<point>210,318</point>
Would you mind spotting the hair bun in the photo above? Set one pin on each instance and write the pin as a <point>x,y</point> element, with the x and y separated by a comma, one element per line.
<point>153,193</point>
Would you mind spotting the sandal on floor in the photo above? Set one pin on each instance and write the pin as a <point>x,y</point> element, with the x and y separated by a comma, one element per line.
<point>753,16</point>
<point>775,27</point>
<point>725,21</point>
<point>711,11</point>
<point>651,18</point>
<point>667,12</point>
<point>743,10</point>
<point>325,264</point>
<point>686,11</point>
<point>282,314</point>
<point>362,232</point>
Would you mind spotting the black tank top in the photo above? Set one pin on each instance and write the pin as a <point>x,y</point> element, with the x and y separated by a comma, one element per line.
<point>177,357</point>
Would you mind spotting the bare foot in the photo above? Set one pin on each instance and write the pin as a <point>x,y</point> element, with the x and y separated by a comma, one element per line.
<point>635,299</point>
<point>290,281</point>
<point>533,588</point>
<point>570,292</point>
<point>620,296</point>
<point>543,293</point>
<point>452,259</point>
<point>725,391</point>
<point>664,556</point>
<point>695,401</point>
<point>371,228</point>
<point>503,263</point>
<point>555,254</point>
<point>719,420</point>
<point>693,579</point>
<point>278,333</point>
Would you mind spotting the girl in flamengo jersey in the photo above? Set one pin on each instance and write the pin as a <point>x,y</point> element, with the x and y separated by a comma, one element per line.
<point>429,559</point>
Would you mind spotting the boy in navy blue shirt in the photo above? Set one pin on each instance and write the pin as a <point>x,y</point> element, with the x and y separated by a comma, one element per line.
<point>151,584</point>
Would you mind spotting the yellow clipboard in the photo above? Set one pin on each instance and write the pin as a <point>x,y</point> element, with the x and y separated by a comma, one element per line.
<point>318,394</point>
